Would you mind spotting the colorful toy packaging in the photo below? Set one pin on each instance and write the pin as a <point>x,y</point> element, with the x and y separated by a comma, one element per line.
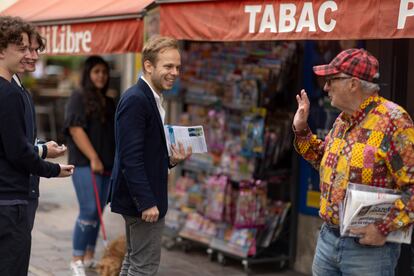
<point>195,198</point>
<point>215,131</point>
<point>198,228</point>
<point>182,185</point>
<point>252,133</point>
<point>239,242</point>
<point>216,190</point>
<point>245,93</point>
<point>251,205</point>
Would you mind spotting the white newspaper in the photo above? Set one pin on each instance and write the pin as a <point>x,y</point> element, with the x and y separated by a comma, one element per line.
<point>364,205</point>
<point>189,136</point>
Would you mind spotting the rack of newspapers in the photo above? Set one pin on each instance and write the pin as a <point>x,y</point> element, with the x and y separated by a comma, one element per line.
<point>234,201</point>
<point>365,205</point>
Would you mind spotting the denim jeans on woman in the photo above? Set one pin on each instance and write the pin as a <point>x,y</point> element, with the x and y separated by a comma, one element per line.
<point>87,224</point>
<point>337,256</point>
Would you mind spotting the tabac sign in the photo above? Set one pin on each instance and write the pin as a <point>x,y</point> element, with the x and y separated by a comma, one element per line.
<point>288,20</point>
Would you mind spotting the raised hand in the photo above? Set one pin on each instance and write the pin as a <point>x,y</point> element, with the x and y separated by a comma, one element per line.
<point>300,121</point>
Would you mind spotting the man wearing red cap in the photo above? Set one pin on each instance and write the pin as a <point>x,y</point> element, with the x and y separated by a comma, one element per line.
<point>372,143</point>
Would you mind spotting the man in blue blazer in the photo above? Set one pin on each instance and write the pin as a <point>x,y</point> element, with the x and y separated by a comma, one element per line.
<point>140,173</point>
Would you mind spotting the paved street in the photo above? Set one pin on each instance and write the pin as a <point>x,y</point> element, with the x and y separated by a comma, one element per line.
<point>51,249</point>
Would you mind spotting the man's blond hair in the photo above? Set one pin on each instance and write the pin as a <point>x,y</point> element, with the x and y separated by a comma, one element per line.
<point>155,45</point>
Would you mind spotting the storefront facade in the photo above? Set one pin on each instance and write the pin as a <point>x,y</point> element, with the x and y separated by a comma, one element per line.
<point>384,27</point>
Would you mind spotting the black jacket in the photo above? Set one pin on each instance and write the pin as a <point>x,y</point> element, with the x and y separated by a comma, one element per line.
<point>31,132</point>
<point>139,177</point>
<point>18,158</point>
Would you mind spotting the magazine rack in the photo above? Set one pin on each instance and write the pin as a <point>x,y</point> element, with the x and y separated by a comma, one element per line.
<point>242,95</point>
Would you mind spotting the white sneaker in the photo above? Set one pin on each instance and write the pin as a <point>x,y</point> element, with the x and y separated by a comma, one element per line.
<point>90,264</point>
<point>77,268</point>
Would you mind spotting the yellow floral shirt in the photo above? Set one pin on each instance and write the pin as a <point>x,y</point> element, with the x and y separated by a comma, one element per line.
<point>374,146</point>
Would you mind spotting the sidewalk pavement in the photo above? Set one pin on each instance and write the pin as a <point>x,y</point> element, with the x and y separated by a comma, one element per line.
<point>51,239</point>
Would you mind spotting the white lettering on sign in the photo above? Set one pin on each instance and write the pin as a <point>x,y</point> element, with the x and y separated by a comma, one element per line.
<point>326,27</point>
<point>253,10</point>
<point>87,39</point>
<point>287,15</point>
<point>405,11</point>
<point>287,21</point>
<point>61,40</point>
<point>268,20</point>
<point>306,19</point>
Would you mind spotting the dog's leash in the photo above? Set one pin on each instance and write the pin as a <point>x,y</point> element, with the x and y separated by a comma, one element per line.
<point>98,205</point>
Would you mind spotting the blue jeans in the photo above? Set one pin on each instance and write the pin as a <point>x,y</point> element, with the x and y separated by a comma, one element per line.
<point>87,224</point>
<point>345,256</point>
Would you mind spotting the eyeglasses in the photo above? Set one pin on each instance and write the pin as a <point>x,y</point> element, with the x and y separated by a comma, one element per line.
<point>329,80</point>
<point>37,50</point>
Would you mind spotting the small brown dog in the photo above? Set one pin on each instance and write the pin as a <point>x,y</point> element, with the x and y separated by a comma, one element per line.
<point>111,262</point>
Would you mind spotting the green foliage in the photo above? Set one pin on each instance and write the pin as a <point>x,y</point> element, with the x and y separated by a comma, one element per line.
<point>68,62</point>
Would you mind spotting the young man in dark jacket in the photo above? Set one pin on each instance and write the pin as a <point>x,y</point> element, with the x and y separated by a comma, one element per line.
<point>49,149</point>
<point>18,159</point>
<point>139,177</point>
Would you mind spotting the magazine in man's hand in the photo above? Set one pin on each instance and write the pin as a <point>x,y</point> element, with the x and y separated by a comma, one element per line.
<point>187,135</point>
<point>365,205</point>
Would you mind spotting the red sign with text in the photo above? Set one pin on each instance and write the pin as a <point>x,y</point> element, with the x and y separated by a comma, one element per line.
<point>110,37</point>
<point>288,20</point>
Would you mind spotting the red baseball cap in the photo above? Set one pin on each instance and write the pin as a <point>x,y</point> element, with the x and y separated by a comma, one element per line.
<point>358,63</point>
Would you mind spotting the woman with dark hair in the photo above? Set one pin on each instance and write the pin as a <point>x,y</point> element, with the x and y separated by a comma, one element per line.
<point>89,126</point>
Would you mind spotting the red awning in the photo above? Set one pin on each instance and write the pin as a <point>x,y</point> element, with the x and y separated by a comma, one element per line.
<point>286,20</point>
<point>80,27</point>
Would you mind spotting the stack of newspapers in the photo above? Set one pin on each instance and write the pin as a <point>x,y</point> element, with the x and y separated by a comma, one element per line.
<point>365,205</point>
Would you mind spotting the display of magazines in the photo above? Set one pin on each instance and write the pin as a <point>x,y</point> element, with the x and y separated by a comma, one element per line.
<point>174,219</point>
<point>198,228</point>
<point>237,93</point>
<point>235,220</point>
<point>245,242</point>
<point>275,222</point>
<point>238,242</point>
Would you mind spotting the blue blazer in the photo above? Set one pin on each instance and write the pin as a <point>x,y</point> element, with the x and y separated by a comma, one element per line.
<point>140,172</point>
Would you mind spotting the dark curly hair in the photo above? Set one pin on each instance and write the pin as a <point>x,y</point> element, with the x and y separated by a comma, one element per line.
<point>40,40</point>
<point>11,29</point>
<point>94,99</point>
